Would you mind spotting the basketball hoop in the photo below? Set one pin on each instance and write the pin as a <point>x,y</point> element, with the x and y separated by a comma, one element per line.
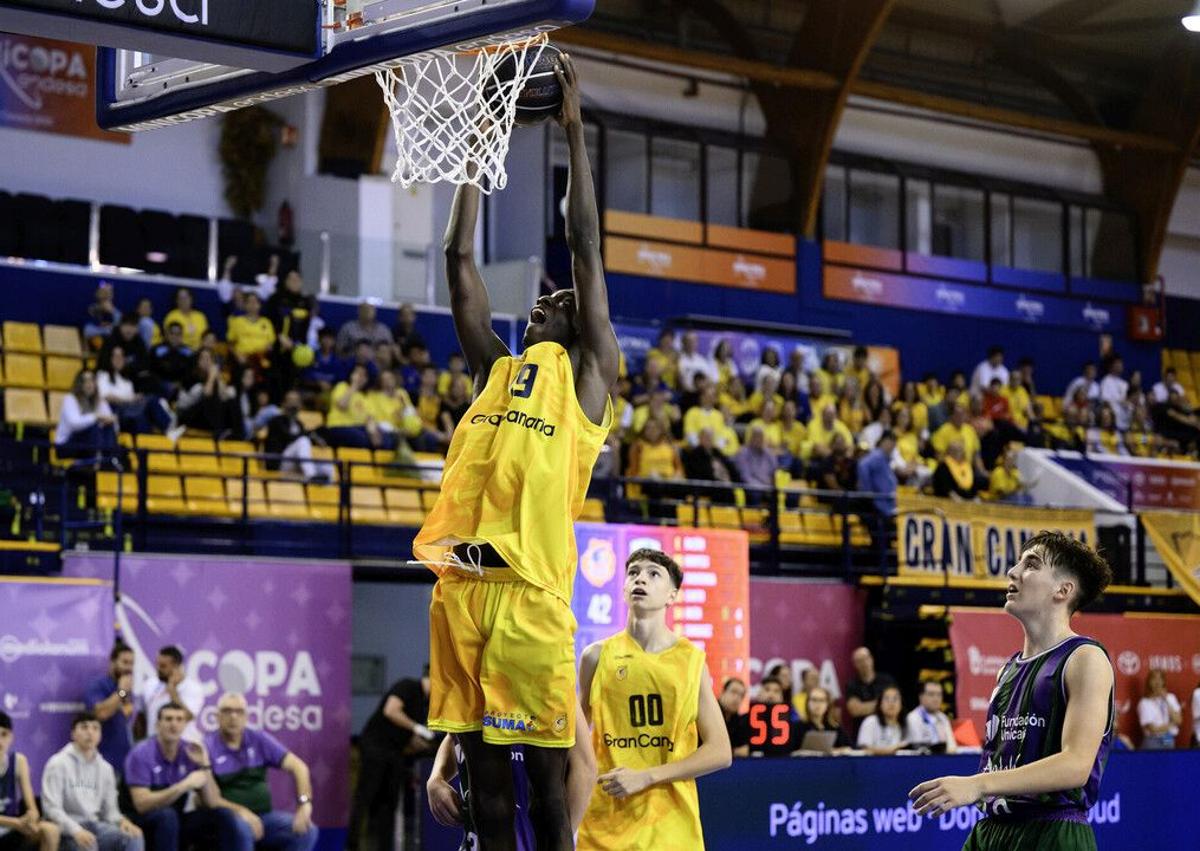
<point>452,114</point>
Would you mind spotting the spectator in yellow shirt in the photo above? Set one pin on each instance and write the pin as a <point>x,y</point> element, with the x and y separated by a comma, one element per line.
<point>1104,437</point>
<point>391,407</point>
<point>791,431</point>
<point>851,410</point>
<point>769,388</point>
<point>726,367</point>
<point>666,355</point>
<point>908,465</point>
<point>932,392</point>
<point>818,393</point>
<point>349,421</point>
<point>653,455</point>
<point>622,410</point>
<point>771,428</point>
<point>251,336</point>
<point>910,400</point>
<point>733,398</point>
<point>821,430</point>
<point>193,321</point>
<point>1006,484</point>
<point>830,372</point>
<point>702,416</point>
<point>456,366</point>
<point>957,428</point>
<point>1020,407</point>
<point>860,369</point>
<point>660,408</point>
<point>726,437</point>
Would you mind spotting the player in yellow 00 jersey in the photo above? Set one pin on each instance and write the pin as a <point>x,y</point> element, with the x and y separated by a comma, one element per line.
<point>501,534</point>
<point>656,724</point>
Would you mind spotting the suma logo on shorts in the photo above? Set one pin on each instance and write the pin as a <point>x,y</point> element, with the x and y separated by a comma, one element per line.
<point>512,723</point>
<point>517,418</point>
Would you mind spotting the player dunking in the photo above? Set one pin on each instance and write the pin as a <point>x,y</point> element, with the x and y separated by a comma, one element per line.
<point>501,535</point>
<point>1050,722</point>
<point>656,724</point>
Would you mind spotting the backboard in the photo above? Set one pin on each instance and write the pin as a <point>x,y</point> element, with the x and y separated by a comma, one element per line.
<point>141,89</point>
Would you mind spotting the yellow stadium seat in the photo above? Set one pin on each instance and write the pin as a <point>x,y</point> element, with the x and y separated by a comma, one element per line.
<point>311,420</point>
<point>25,406</point>
<point>355,454</point>
<point>725,517</point>
<point>206,496</point>
<point>404,506</point>
<point>323,502</point>
<point>593,510</point>
<point>203,463</point>
<point>164,495</point>
<point>160,453</point>
<point>23,371</point>
<point>54,400</point>
<point>61,372</point>
<point>287,500</point>
<point>256,497</point>
<point>22,337</point>
<point>62,340</point>
<point>106,491</point>
<point>1195,357</point>
<point>686,514</point>
<point>230,462</point>
<point>366,505</point>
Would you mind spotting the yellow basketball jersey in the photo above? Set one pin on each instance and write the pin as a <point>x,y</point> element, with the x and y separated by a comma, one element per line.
<point>518,470</point>
<point>644,708</point>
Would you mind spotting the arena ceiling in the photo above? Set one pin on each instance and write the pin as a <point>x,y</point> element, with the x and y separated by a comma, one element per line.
<point>1121,75</point>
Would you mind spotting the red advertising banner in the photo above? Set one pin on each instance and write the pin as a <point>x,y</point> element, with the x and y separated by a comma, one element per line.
<point>805,624</point>
<point>984,639</point>
<point>50,86</point>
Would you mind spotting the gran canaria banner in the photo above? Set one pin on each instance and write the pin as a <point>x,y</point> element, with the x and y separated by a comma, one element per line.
<point>936,537</point>
<point>1177,539</point>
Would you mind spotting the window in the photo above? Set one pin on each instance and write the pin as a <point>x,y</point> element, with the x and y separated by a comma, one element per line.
<point>675,179</point>
<point>874,209</point>
<point>1037,235</point>
<point>625,171</point>
<point>958,222</point>
<point>833,203</point>
<point>1001,235</point>
<point>1078,242</point>
<point>918,201</point>
<point>767,193</point>
<point>722,185</point>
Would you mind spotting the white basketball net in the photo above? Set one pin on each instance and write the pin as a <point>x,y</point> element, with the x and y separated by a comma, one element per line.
<point>453,116</point>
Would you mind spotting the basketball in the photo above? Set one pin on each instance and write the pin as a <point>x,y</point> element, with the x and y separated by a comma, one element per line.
<point>541,98</point>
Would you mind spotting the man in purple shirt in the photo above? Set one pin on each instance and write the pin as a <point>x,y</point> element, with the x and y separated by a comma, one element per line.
<point>240,759</point>
<point>161,773</point>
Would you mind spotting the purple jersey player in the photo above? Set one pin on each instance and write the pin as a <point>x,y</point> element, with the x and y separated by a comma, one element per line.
<point>1050,721</point>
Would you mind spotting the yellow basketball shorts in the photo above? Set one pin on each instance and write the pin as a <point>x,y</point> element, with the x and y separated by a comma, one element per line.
<point>501,660</point>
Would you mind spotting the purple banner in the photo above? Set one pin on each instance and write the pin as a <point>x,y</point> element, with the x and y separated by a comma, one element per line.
<point>276,630</point>
<point>54,639</point>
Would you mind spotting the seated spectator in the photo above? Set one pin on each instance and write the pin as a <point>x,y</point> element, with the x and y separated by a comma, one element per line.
<point>349,421</point>
<point>405,333</point>
<point>737,723</point>
<point>651,381</point>
<point>792,432</point>
<point>821,431</point>
<point>148,329</point>
<point>882,733</point>
<point>958,429</point>
<point>193,321</point>
<point>989,369</point>
<point>782,672</point>
<point>429,408</point>
<point>665,357</point>
<point>810,679</point>
<point>79,793</point>
<point>836,471</point>
<point>1177,421</point>
<point>162,772</point>
<point>851,410</point>
<point>240,760</point>
<point>726,437</point>
<point>210,404</point>
<point>727,368</point>
<point>818,717</point>
<point>1020,403</point>
<point>1085,382</point>
<point>874,475</point>
<point>1159,714</point>
<point>454,406</point>
<point>1104,436</point>
<point>819,396</point>
<point>1067,434</point>
<point>21,825</point>
<point>385,357</point>
<point>413,362</point>
<point>1162,390</point>
<point>927,726</point>
<point>931,391</point>
<point>136,413</point>
<point>209,342</point>
<point>704,462</point>
<point>907,460</point>
<point>251,336</point>
<point>829,374</point>
<point>290,312</point>
<point>773,729</point>
<point>1005,484</point>
<point>995,402</point>
<point>137,359</point>
<point>867,686</point>
<point>690,399</point>
<point>456,366</point>
<point>796,367</point>
<point>958,380</point>
<point>391,408</point>
<point>733,399</point>
<point>364,356</point>
<point>110,698</point>
<point>1141,440</point>
<point>287,436</point>
<point>787,387</point>
<point>102,316</point>
<point>955,476</point>
<point>910,401</point>
<point>327,368</point>
<point>755,463</point>
<point>874,399</point>
<point>653,455</point>
<point>86,425</point>
<point>1026,366</point>
<point>365,328</point>
<point>872,431</point>
<point>769,368</point>
<point>693,362</point>
<point>860,370</point>
<point>622,411</point>
<point>1114,390</point>
<point>254,402</point>
<point>659,408</point>
<point>768,421</point>
<point>767,389</point>
<point>171,362</point>
<point>1080,406</point>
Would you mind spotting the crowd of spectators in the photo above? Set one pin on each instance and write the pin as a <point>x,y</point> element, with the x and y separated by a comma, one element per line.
<point>137,773</point>
<point>685,415</point>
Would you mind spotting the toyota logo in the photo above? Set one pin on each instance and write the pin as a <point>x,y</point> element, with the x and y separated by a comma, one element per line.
<point>1129,663</point>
